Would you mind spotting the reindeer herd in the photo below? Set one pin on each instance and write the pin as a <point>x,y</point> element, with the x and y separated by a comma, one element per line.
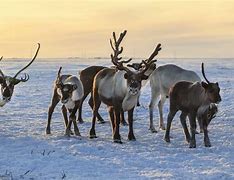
<point>119,87</point>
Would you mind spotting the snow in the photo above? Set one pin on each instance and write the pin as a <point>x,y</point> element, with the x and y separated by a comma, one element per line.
<point>27,153</point>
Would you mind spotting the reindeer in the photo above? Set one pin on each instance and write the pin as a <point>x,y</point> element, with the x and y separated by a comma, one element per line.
<point>8,83</point>
<point>190,98</point>
<point>69,90</point>
<point>118,89</point>
<point>87,76</point>
<point>161,80</point>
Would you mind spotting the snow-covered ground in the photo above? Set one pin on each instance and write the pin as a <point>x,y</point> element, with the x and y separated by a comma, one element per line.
<point>27,153</point>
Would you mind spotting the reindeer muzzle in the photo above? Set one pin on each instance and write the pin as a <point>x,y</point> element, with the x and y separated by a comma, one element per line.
<point>133,91</point>
<point>64,101</point>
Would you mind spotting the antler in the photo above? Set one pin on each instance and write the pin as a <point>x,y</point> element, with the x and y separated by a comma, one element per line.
<point>150,60</point>
<point>147,65</point>
<point>155,53</point>
<point>26,78</point>
<point>203,73</point>
<point>1,58</point>
<point>3,78</point>
<point>59,71</point>
<point>58,76</point>
<point>114,58</point>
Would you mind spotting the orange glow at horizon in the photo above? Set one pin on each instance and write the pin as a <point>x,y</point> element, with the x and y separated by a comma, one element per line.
<point>78,28</point>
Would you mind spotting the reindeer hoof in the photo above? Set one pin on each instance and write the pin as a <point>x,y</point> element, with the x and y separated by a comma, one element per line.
<point>80,121</point>
<point>131,138</point>
<point>101,121</point>
<point>124,123</point>
<point>92,136</point>
<point>192,145</point>
<point>48,131</point>
<point>167,139</point>
<point>153,130</point>
<point>118,141</point>
<point>207,145</point>
<point>77,133</point>
<point>162,127</point>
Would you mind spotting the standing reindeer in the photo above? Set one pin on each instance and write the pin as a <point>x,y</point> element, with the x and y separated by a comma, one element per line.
<point>87,77</point>
<point>69,90</point>
<point>161,80</point>
<point>191,98</point>
<point>8,83</point>
<point>118,89</point>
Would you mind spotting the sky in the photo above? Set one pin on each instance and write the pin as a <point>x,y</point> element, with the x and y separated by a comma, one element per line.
<point>82,28</point>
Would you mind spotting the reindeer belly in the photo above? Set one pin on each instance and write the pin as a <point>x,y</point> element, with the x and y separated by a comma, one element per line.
<point>107,101</point>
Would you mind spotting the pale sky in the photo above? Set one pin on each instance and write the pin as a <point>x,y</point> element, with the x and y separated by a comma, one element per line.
<point>69,28</point>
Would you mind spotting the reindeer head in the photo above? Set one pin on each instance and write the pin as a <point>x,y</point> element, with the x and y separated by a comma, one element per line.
<point>8,83</point>
<point>206,113</point>
<point>133,78</point>
<point>212,89</point>
<point>65,89</point>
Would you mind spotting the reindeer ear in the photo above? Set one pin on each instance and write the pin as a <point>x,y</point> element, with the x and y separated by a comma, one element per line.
<point>126,75</point>
<point>14,81</point>
<point>74,87</point>
<point>204,84</point>
<point>2,80</point>
<point>217,83</point>
<point>144,77</point>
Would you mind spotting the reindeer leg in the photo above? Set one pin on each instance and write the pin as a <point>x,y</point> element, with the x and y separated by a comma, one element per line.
<point>154,97</point>
<point>112,118</point>
<point>138,101</point>
<point>116,135</point>
<point>169,120</point>
<point>64,112</point>
<point>206,137</point>
<point>73,117</point>
<point>54,102</point>
<point>183,122</point>
<point>99,117</point>
<point>122,119</point>
<point>80,119</point>
<point>131,136</point>
<point>160,108</point>
<point>68,128</point>
<point>200,125</point>
<point>96,105</point>
<point>192,120</point>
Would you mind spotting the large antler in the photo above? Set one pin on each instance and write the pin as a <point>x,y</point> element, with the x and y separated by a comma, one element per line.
<point>203,73</point>
<point>1,58</point>
<point>58,81</point>
<point>3,78</point>
<point>150,60</point>
<point>26,76</point>
<point>155,53</point>
<point>114,58</point>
